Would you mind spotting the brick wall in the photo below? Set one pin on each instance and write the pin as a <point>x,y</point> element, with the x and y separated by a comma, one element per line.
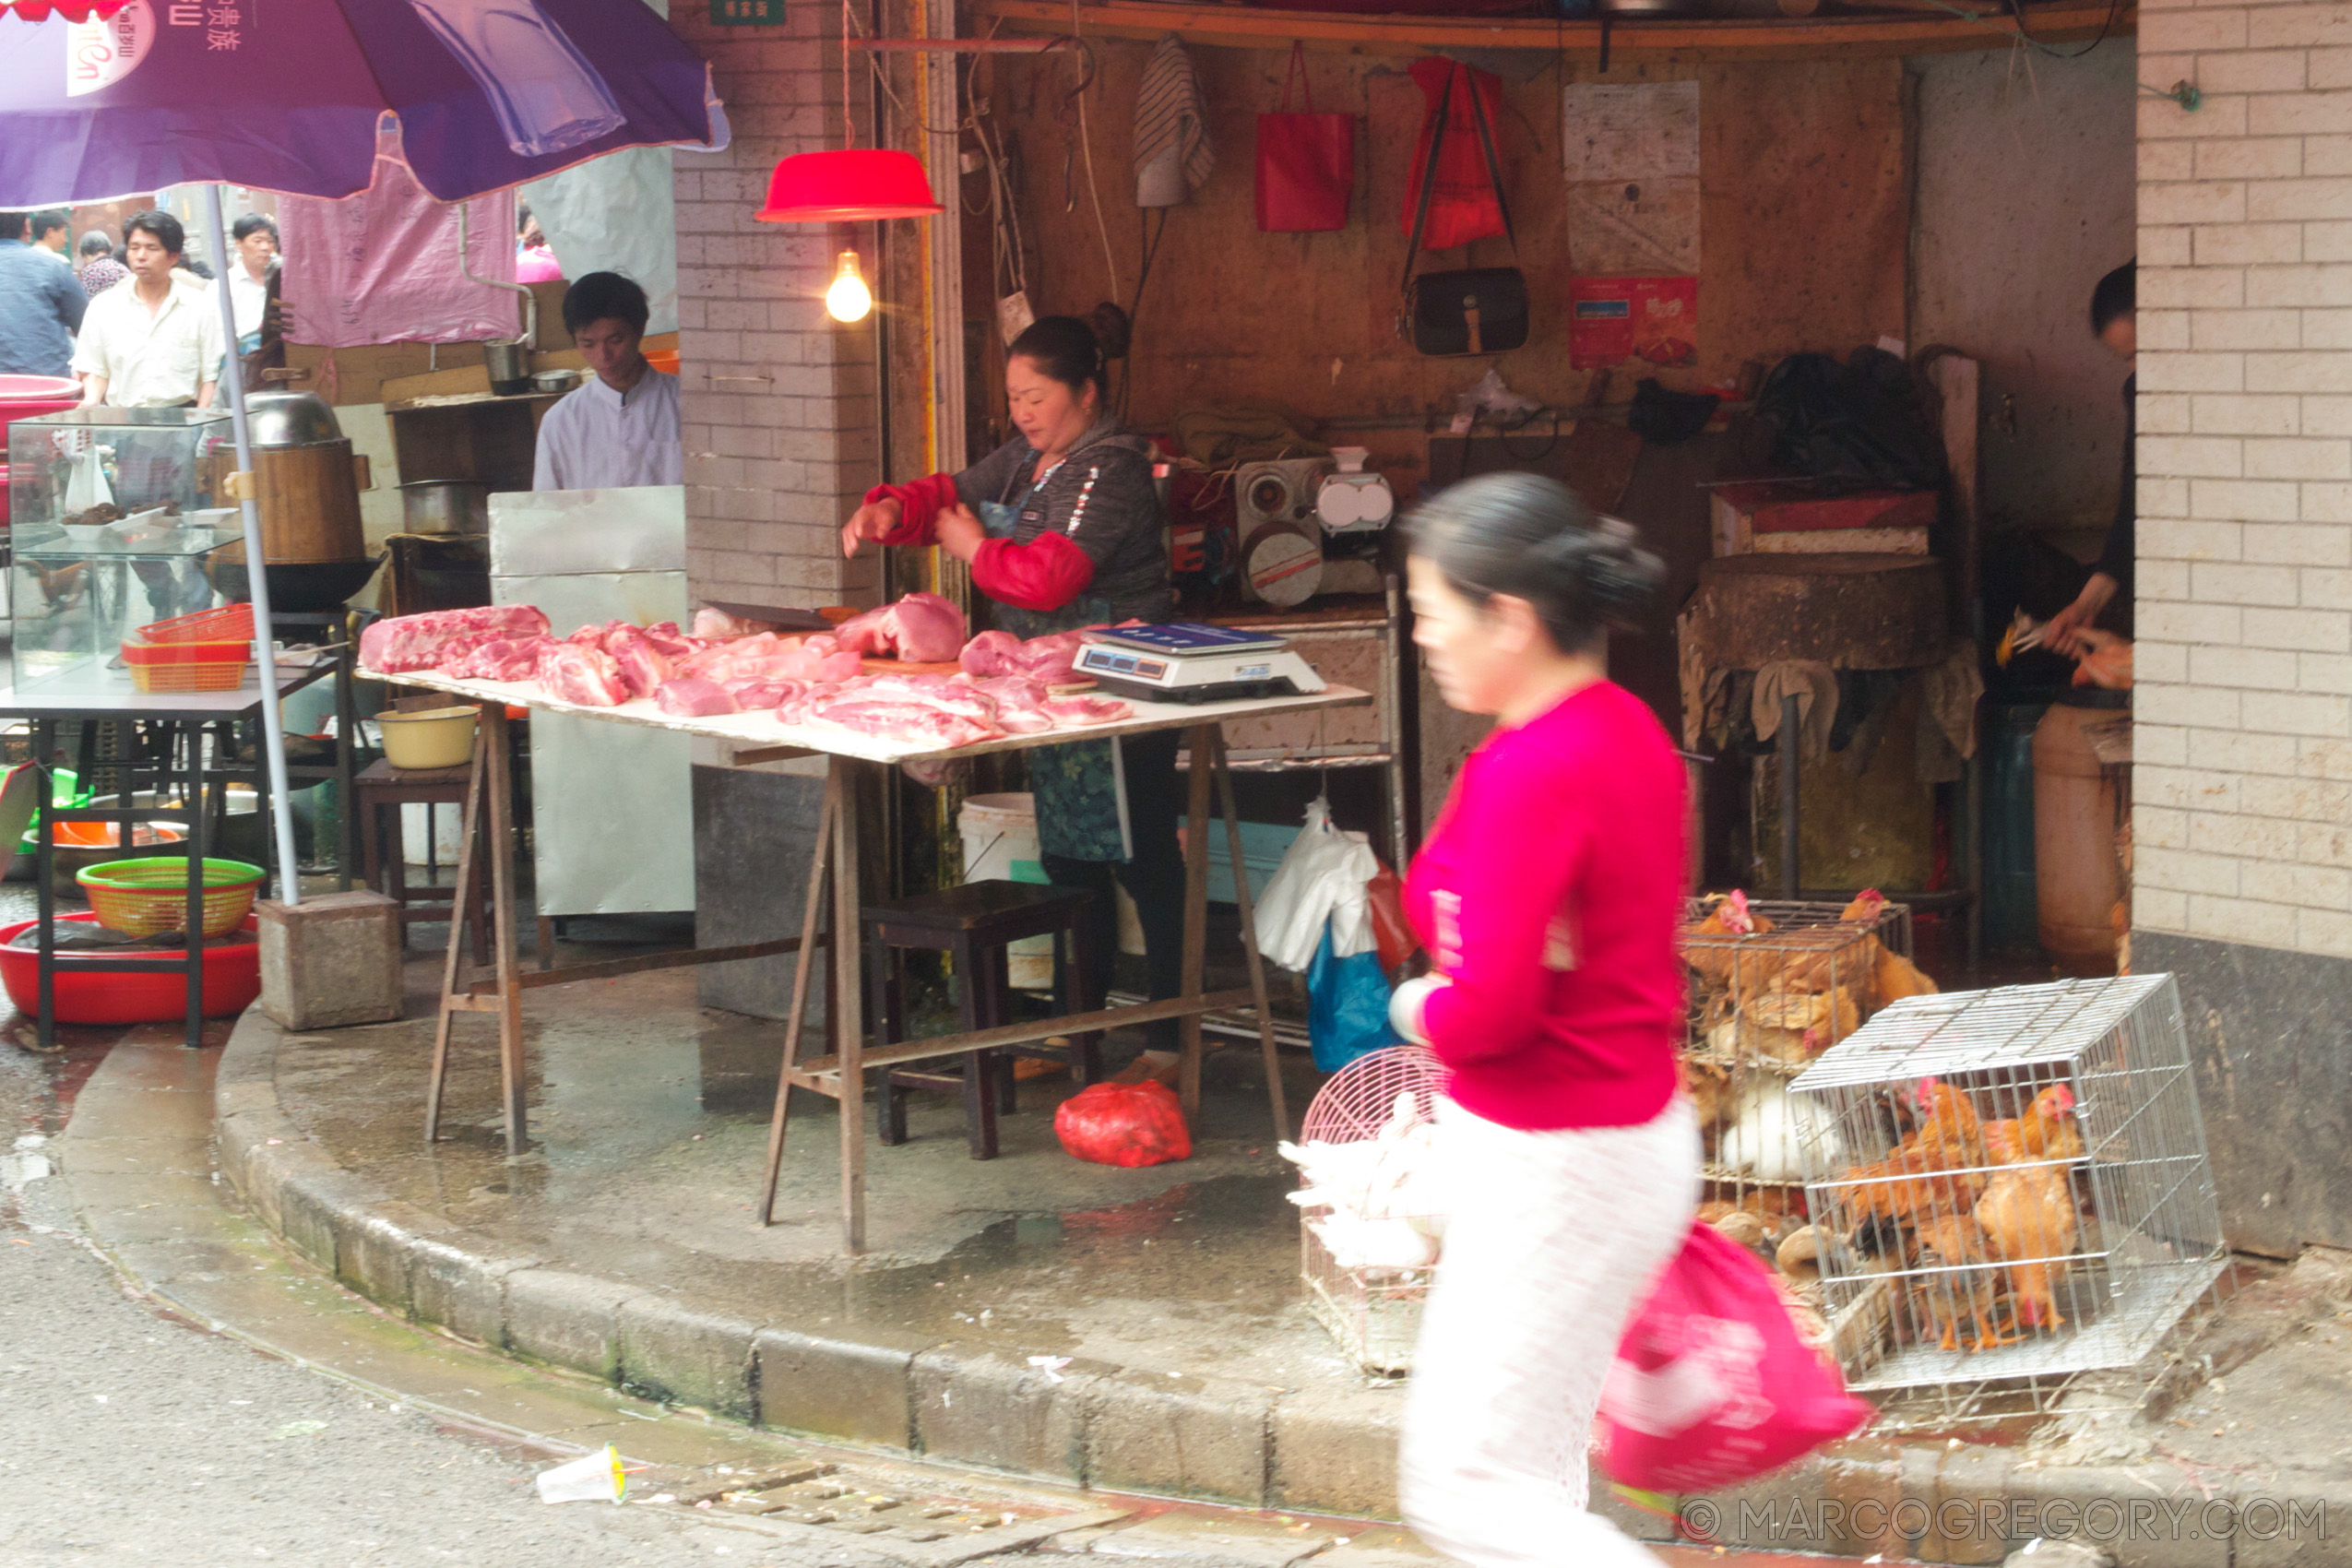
<point>779,410</point>
<point>2243,783</point>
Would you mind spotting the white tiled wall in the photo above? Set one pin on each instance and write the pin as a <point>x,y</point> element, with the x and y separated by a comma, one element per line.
<point>2243,784</point>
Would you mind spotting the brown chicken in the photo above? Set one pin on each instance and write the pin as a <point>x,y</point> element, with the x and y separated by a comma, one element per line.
<point>2046,1131</point>
<point>1935,1170</point>
<point>1955,1282</point>
<point>2028,1219</point>
<point>1728,964</point>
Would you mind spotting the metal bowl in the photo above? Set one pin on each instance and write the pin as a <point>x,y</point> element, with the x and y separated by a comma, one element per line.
<point>291,418</point>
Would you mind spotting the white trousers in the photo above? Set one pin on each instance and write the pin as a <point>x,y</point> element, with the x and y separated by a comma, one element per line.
<point>1554,1241</point>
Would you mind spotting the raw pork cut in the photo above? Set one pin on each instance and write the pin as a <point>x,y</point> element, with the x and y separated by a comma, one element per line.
<point>1074,712</point>
<point>716,626</point>
<point>1047,660</point>
<point>758,692</point>
<point>414,642</point>
<point>501,659</point>
<point>691,696</point>
<point>592,635</point>
<point>922,628</point>
<point>665,636</point>
<point>587,676</point>
<point>643,666</point>
<point>1020,704</point>
<point>916,710</point>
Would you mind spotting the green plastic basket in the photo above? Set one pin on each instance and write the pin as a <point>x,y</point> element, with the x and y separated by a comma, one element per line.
<point>143,897</point>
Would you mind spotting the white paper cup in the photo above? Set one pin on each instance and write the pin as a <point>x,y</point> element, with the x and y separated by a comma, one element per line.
<point>591,1477</point>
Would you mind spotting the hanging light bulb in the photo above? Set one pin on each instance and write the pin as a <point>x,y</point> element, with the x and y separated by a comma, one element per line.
<point>848,299</point>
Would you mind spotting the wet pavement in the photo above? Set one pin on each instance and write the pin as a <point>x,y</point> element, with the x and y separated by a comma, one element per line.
<point>648,1119</point>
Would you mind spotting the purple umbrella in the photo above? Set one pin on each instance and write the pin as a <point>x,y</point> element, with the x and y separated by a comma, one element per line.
<point>287,95</point>
<point>284,95</point>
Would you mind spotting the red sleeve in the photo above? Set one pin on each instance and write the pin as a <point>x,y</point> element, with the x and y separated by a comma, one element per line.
<point>920,501</point>
<point>1045,574</point>
<point>1503,909</point>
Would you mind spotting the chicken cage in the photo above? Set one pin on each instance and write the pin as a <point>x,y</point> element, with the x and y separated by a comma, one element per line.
<point>1369,1225</point>
<point>1772,985</point>
<point>2010,1190</point>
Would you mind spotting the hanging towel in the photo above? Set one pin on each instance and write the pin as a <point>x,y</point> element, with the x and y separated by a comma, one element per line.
<point>1814,686</point>
<point>1172,150</point>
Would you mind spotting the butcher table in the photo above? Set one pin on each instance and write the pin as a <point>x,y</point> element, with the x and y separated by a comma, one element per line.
<point>748,739</point>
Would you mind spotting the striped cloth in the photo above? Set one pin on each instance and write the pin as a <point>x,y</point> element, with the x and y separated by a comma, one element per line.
<point>1172,150</point>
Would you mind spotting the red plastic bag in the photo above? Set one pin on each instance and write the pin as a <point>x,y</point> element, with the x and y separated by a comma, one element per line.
<point>1123,1124</point>
<point>1712,1385</point>
<point>1391,932</point>
<point>1464,205</point>
<point>1306,162</point>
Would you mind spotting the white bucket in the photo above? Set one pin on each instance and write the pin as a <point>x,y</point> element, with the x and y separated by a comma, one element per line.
<point>1000,844</point>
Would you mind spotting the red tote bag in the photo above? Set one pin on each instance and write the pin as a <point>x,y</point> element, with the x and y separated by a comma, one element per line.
<point>1306,162</point>
<point>1464,205</point>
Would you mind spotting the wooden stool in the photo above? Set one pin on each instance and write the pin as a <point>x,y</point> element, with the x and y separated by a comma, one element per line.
<point>974,924</point>
<point>379,792</point>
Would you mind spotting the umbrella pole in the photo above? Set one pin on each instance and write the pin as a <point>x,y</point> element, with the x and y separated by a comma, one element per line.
<point>273,720</point>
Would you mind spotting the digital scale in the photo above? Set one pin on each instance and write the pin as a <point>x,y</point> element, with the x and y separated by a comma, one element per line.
<point>1187,661</point>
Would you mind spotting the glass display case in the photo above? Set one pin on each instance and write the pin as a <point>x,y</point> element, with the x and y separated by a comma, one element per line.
<point>115,518</point>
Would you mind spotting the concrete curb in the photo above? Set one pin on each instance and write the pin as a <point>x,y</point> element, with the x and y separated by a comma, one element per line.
<point>1094,1424</point>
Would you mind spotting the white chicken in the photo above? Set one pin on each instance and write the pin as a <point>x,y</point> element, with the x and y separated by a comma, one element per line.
<point>1381,1206</point>
<point>1775,1137</point>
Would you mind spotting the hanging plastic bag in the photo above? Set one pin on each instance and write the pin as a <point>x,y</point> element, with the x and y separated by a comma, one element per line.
<point>1465,205</point>
<point>1712,1385</point>
<point>1306,162</point>
<point>1346,1007</point>
<point>1392,933</point>
<point>1322,880</point>
<point>1123,1124</point>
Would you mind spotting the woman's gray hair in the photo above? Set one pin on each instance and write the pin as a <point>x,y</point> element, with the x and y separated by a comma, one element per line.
<point>1533,538</point>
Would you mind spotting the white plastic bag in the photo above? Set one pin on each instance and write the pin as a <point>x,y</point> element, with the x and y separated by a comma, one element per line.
<point>1322,877</point>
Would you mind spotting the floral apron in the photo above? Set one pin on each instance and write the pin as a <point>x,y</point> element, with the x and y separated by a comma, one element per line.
<point>1081,799</point>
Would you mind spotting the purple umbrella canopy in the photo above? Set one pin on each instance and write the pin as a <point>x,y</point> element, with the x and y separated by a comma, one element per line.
<point>285,95</point>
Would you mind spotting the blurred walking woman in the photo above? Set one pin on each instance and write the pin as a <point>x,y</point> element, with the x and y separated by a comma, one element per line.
<point>1547,896</point>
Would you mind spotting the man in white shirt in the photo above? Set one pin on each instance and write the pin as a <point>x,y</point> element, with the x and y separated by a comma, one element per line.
<point>50,232</point>
<point>621,426</point>
<point>248,273</point>
<point>153,340</point>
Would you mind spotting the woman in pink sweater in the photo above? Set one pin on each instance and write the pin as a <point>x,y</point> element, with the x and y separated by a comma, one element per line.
<point>1548,897</point>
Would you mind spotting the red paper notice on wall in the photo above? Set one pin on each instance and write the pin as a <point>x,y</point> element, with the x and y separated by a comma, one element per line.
<point>1615,319</point>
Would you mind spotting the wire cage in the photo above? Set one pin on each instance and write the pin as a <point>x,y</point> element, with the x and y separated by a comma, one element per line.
<point>1369,1232</point>
<point>2011,1190</point>
<point>1771,985</point>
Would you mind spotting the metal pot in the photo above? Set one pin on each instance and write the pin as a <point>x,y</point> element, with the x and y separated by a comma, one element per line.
<point>510,367</point>
<point>291,418</point>
<point>446,506</point>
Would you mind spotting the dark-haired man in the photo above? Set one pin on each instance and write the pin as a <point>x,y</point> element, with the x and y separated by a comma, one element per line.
<point>154,340</point>
<point>39,310</point>
<point>621,426</point>
<point>2114,321</point>
<point>50,232</point>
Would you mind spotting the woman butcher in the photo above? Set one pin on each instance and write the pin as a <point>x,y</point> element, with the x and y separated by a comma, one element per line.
<point>1061,527</point>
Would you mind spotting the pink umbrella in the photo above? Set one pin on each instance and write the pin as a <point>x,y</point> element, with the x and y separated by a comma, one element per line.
<point>483,94</point>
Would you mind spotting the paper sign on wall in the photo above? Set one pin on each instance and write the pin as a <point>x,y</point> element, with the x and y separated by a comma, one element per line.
<point>1631,155</point>
<point>1614,319</point>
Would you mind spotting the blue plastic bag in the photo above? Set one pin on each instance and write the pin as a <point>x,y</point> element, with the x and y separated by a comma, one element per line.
<point>1346,1006</point>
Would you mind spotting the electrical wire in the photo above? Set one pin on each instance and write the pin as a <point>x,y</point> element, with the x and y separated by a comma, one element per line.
<point>1085,142</point>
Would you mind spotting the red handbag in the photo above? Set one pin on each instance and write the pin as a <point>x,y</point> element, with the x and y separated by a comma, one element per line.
<point>1466,200</point>
<point>1306,161</point>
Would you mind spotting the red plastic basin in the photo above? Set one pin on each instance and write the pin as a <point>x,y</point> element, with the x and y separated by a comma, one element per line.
<point>232,981</point>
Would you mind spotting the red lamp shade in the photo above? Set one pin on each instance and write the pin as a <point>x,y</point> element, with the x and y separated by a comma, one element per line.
<point>844,186</point>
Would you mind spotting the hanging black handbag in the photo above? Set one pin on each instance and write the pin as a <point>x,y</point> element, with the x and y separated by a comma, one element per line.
<point>1478,310</point>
